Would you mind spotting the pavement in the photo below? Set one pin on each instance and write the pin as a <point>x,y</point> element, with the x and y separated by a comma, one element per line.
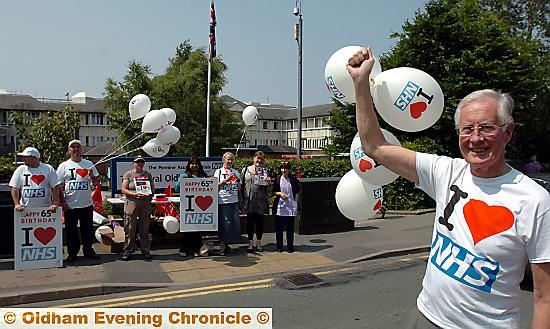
<point>396,234</point>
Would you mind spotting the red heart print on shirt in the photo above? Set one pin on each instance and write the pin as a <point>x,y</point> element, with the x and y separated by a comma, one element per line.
<point>44,235</point>
<point>364,165</point>
<point>417,109</point>
<point>204,202</point>
<point>82,172</point>
<point>485,221</point>
<point>37,179</point>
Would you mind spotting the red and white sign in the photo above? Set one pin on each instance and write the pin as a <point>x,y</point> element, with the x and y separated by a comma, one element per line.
<point>38,238</point>
<point>294,156</point>
<point>198,204</point>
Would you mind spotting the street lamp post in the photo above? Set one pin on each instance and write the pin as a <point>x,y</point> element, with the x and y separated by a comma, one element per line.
<point>298,37</point>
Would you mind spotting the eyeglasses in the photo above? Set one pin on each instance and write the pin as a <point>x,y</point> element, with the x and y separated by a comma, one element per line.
<point>485,130</point>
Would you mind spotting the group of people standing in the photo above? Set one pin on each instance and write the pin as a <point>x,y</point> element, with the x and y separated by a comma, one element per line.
<point>36,184</point>
<point>247,191</point>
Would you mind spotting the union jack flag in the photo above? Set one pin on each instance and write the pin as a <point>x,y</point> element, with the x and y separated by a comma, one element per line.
<point>212,36</point>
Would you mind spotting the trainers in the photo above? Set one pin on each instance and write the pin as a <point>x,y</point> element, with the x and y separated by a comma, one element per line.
<point>147,255</point>
<point>71,258</point>
<point>125,257</point>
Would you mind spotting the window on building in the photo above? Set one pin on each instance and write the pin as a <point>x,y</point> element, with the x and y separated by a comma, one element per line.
<point>87,141</point>
<point>96,119</point>
<point>290,124</point>
<point>318,122</point>
<point>275,125</point>
<point>264,125</point>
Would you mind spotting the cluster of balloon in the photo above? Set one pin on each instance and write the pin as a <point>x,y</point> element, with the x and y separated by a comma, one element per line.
<point>356,199</point>
<point>171,224</point>
<point>155,121</point>
<point>406,98</point>
<point>366,168</point>
<point>250,115</point>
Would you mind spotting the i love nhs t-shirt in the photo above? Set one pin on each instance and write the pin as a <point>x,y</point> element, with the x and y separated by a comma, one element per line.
<point>35,184</point>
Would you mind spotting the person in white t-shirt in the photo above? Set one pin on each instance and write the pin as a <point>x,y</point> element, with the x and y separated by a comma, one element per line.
<point>78,175</point>
<point>229,185</point>
<point>490,218</point>
<point>34,184</point>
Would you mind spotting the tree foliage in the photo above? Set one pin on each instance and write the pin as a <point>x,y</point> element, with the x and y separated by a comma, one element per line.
<point>465,48</point>
<point>183,88</point>
<point>49,133</point>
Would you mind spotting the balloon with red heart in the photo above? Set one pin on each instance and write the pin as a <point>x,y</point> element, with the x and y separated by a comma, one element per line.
<point>368,169</point>
<point>356,199</point>
<point>407,98</point>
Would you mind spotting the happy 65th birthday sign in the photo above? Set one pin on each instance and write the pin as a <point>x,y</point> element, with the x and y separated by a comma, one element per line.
<point>38,238</point>
<point>199,205</point>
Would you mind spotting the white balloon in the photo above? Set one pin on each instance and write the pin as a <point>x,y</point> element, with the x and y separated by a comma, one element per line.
<point>407,98</point>
<point>170,115</point>
<point>153,121</point>
<point>154,149</point>
<point>139,105</point>
<point>168,135</point>
<point>250,115</point>
<point>104,229</point>
<point>337,78</point>
<point>356,199</point>
<point>366,168</point>
<point>171,224</point>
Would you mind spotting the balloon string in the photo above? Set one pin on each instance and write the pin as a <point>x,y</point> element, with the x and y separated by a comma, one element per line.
<point>239,145</point>
<point>104,159</point>
<point>119,155</point>
<point>115,141</point>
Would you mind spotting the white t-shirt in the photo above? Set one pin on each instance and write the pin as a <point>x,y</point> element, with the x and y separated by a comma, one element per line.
<point>473,273</point>
<point>286,207</point>
<point>227,193</point>
<point>78,183</point>
<point>35,184</point>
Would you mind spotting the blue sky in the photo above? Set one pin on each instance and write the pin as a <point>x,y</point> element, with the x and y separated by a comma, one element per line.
<point>53,47</point>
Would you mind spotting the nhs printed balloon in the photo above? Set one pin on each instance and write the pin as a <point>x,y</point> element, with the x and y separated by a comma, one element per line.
<point>407,98</point>
<point>356,199</point>
<point>368,169</point>
<point>337,78</point>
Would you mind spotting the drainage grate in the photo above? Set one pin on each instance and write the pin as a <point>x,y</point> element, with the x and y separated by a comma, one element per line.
<point>302,279</point>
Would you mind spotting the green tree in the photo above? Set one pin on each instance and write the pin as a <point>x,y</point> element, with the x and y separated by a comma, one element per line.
<point>183,88</point>
<point>466,48</point>
<point>49,132</point>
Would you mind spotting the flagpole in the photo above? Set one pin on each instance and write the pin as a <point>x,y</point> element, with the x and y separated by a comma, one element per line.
<point>208,109</point>
<point>211,55</point>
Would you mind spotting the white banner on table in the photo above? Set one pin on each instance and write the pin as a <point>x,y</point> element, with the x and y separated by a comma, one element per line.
<point>38,238</point>
<point>198,204</point>
<point>165,171</point>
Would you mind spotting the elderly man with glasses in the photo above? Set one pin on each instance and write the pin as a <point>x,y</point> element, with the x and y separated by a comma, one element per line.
<point>490,218</point>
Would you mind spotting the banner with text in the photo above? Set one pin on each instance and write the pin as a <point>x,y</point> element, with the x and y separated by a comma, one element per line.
<point>38,238</point>
<point>165,171</point>
<point>199,204</point>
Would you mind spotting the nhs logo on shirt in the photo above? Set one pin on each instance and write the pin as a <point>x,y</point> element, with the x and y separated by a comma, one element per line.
<point>29,193</point>
<point>77,185</point>
<point>463,266</point>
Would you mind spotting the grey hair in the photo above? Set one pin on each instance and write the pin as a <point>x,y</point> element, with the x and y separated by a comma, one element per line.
<point>227,155</point>
<point>505,101</point>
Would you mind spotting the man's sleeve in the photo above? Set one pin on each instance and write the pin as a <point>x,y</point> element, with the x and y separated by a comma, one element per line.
<point>15,181</point>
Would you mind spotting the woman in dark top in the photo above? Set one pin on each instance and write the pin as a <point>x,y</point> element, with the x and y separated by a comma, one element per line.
<point>191,242</point>
<point>285,187</point>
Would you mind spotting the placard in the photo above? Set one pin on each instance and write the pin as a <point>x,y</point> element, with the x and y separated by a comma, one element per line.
<point>199,204</point>
<point>143,185</point>
<point>38,238</point>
